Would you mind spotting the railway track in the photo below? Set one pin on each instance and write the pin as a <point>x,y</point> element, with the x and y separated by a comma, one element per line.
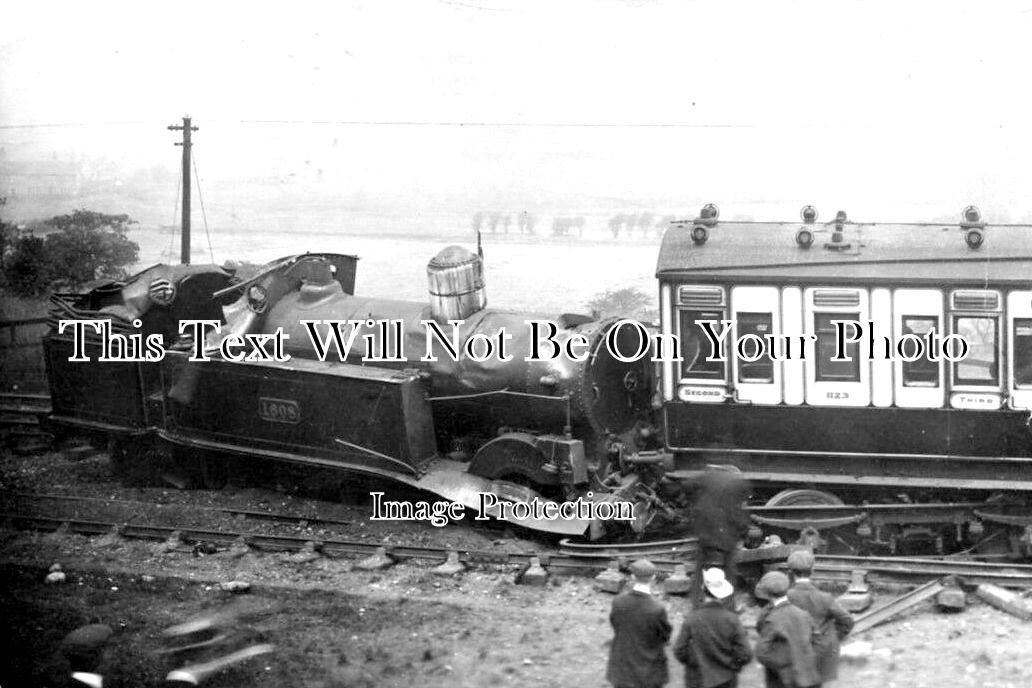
<point>21,418</point>
<point>569,559</point>
<point>293,519</point>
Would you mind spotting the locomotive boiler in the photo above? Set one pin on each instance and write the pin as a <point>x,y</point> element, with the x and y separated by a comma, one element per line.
<point>325,384</point>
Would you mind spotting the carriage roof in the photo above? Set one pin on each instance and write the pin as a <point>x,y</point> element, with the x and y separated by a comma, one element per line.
<point>868,252</point>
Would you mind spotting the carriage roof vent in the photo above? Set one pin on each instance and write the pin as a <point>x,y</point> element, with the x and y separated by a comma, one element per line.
<point>700,297</point>
<point>972,300</point>
<point>836,298</point>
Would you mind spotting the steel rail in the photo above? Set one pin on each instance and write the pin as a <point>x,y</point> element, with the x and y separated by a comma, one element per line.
<point>329,547</point>
<point>248,513</point>
<point>631,549</point>
<point>907,569</point>
<point>883,569</point>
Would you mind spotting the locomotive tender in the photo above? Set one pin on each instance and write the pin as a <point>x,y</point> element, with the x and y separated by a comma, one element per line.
<point>479,431</point>
<point>870,411</point>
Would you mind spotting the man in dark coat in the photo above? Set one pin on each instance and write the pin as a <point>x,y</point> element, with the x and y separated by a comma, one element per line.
<point>833,622</point>
<point>720,522</point>
<point>637,658</point>
<point>785,647</point>
<point>712,643</point>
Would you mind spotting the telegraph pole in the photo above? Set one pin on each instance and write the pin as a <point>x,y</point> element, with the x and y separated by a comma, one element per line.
<point>184,250</point>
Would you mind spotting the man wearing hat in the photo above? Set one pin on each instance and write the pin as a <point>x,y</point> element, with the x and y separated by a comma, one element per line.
<point>83,649</point>
<point>712,643</point>
<point>637,658</point>
<point>719,521</point>
<point>785,647</point>
<point>833,622</point>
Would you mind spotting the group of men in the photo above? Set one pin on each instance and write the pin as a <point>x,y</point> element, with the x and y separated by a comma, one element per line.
<point>799,627</point>
<point>799,631</point>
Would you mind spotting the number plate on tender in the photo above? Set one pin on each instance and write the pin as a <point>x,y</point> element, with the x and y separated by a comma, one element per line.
<point>279,410</point>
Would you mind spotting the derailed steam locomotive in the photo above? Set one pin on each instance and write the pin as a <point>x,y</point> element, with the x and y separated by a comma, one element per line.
<point>313,378</point>
<point>899,441</point>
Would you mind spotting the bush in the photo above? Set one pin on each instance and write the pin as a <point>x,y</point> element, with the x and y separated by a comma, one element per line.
<point>89,246</point>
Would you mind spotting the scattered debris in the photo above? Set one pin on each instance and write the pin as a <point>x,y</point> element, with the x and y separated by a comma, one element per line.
<point>239,548</point>
<point>951,599</point>
<point>535,574</point>
<point>678,583</point>
<point>1006,600</point>
<point>857,651</point>
<point>54,577</point>
<point>235,586</point>
<point>113,538</point>
<point>610,580</point>
<point>857,597</point>
<point>452,566</point>
<point>171,544</point>
<point>378,560</point>
<point>890,609</point>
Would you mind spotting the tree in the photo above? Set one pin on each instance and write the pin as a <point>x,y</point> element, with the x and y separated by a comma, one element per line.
<point>27,271</point>
<point>8,235</point>
<point>630,302</point>
<point>88,246</point>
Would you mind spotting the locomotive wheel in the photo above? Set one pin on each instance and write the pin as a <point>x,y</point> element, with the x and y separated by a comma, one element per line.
<point>842,540</point>
<point>799,497</point>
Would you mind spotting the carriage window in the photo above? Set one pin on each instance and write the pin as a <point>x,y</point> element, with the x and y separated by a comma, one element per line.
<point>1023,352</point>
<point>696,346</point>
<point>827,369</point>
<point>922,372</point>
<point>762,369</point>
<point>981,366</point>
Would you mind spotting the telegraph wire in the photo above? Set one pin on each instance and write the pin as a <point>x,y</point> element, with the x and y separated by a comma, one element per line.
<point>175,214</point>
<point>204,215</point>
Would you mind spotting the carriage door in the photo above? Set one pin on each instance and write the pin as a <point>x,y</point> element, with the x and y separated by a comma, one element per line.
<point>832,382</point>
<point>756,376</point>
<point>976,380</point>
<point>1019,348</point>
<point>917,318</point>
<point>703,378</point>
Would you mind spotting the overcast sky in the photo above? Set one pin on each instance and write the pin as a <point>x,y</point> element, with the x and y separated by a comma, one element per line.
<point>894,111</point>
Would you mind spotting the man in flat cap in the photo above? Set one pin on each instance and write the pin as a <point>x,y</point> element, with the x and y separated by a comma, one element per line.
<point>637,658</point>
<point>785,647</point>
<point>83,649</point>
<point>833,622</point>
<point>712,643</point>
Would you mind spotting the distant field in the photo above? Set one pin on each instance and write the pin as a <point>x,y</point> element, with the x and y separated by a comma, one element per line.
<point>540,274</point>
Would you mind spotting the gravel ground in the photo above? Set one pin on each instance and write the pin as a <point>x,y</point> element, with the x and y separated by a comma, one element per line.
<point>334,625</point>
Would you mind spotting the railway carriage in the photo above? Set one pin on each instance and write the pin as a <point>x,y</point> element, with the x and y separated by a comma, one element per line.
<point>870,363</point>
